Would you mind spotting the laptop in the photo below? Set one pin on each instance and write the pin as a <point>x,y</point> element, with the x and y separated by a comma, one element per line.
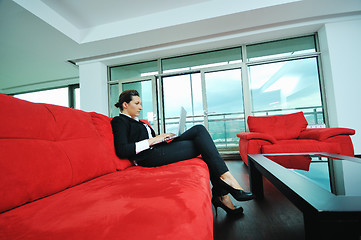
<point>181,127</point>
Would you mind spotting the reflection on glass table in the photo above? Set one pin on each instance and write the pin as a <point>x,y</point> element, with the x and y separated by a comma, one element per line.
<point>336,175</point>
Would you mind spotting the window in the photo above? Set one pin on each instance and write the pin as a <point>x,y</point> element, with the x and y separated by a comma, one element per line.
<point>134,70</point>
<point>287,86</point>
<point>202,60</point>
<point>66,96</point>
<point>182,90</point>
<point>221,88</point>
<point>281,48</point>
<point>144,89</point>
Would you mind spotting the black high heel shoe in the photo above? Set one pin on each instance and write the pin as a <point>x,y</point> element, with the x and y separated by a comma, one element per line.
<point>238,194</point>
<point>231,212</point>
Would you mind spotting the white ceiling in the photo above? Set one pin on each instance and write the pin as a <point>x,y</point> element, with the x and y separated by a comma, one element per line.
<point>87,14</point>
<point>38,37</point>
<point>93,20</point>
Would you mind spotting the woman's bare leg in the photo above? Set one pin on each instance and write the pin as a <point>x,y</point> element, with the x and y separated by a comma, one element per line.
<point>226,200</point>
<point>228,178</point>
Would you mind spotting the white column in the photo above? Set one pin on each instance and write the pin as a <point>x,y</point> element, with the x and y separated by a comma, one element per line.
<point>341,51</point>
<point>93,87</point>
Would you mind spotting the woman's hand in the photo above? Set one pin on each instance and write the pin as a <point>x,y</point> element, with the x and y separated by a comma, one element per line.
<point>161,137</point>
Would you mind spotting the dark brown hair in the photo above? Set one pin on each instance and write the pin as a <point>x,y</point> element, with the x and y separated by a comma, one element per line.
<point>126,96</point>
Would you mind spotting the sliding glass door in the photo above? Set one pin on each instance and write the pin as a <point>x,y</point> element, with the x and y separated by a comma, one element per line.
<point>223,106</point>
<point>212,98</point>
<point>182,90</point>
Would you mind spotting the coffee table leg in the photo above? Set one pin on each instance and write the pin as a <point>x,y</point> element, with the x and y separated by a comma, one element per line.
<point>312,228</point>
<point>255,179</point>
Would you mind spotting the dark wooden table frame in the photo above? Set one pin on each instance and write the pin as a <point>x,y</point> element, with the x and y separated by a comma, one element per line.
<point>326,216</point>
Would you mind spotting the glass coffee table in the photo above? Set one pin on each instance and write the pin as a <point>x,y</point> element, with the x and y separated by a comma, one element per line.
<point>325,187</point>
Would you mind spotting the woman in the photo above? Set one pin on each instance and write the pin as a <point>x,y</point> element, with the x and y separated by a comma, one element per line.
<point>134,140</point>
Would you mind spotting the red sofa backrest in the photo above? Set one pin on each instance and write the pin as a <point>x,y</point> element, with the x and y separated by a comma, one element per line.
<point>288,126</point>
<point>46,148</point>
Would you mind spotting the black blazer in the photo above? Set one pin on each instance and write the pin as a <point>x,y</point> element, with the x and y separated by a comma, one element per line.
<point>127,132</point>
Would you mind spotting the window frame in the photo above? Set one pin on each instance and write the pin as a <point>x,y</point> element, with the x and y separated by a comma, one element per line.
<point>244,63</point>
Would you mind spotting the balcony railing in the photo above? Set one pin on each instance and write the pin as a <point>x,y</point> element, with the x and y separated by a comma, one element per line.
<point>224,127</point>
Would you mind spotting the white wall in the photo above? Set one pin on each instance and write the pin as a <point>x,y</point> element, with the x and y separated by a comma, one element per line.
<point>340,44</point>
<point>93,87</point>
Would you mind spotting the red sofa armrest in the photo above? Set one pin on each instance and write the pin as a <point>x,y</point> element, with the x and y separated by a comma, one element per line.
<point>322,134</point>
<point>256,136</point>
<point>145,121</point>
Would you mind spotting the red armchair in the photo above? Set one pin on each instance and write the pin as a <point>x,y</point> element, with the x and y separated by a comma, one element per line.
<point>289,134</point>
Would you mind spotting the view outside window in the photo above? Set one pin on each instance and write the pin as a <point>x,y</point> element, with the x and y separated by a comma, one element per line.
<point>285,87</point>
<point>225,108</point>
<point>57,96</point>
<point>182,90</point>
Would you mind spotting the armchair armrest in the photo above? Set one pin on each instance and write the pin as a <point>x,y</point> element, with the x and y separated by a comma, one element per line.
<point>322,134</point>
<point>256,136</point>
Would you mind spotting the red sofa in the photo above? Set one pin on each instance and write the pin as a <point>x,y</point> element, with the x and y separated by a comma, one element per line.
<point>289,134</point>
<point>60,179</point>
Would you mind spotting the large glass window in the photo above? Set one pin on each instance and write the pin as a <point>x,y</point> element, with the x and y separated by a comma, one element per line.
<point>182,90</point>
<point>221,88</point>
<point>135,76</point>
<point>287,86</point>
<point>66,97</point>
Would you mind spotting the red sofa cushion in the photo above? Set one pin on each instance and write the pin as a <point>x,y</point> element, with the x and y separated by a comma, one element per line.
<point>168,202</point>
<point>300,146</point>
<point>22,119</point>
<point>45,149</point>
<point>104,128</point>
<point>32,165</point>
<point>30,170</point>
<point>288,126</point>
